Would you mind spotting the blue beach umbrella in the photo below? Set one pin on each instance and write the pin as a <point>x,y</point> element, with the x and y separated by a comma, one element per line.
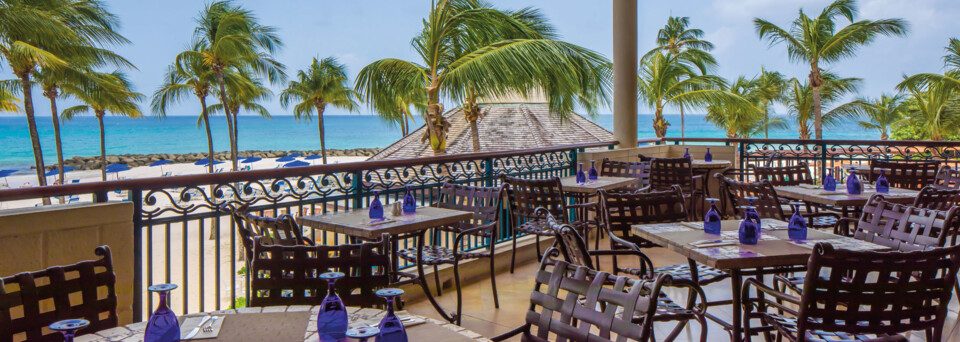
<point>312,157</point>
<point>297,163</point>
<point>161,163</point>
<point>55,171</point>
<point>116,168</point>
<point>4,174</point>
<point>294,155</point>
<point>251,160</point>
<point>203,161</point>
<point>285,159</point>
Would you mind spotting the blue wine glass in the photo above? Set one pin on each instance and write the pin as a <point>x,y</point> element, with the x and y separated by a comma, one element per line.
<point>854,187</point>
<point>376,208</point>
<point>749,229</point>
<point>581,177</point>
<point>593,174</point>
<point>69,328</point>
<point>332,320</point>
<point>409,203</point>
<point>829,183</point>
<point>882,185</point>
<point>708,157</point>
<point>362,333</point>
<point>162,325</point>
<point>687,153</point>
<point>711,221</point>
<point>391,328</point>
<point>751,212</point>
<point>797,227</point>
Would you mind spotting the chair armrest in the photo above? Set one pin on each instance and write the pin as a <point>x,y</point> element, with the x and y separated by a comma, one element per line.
<point>588,205</point>
<point>467,232</point>
<point>691,285</point>
<point>645,263</point>
<point>782,282</point>
<point>762,290</point>
<point>518,330</point>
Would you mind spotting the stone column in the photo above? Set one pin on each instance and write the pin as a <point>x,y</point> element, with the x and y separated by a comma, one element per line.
<point>625,72</point>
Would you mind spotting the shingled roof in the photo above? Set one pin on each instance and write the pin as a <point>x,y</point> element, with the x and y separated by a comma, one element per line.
<point>503,127</point>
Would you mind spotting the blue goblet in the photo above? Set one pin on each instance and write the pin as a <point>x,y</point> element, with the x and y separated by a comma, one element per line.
<point>362,333</point>
<point>162,325</point>
<point>332,320</point>
<point>69,328</point>
<point>391,328</point>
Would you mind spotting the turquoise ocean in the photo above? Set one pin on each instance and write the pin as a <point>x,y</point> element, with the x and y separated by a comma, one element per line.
<point>180,134</point>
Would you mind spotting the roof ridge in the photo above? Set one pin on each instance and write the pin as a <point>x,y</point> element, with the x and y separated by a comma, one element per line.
<point>536,130</point>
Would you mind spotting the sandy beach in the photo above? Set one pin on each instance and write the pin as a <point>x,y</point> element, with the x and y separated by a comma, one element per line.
<point>86,176</point>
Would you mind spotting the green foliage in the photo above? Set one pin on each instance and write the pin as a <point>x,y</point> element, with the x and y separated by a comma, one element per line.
<point>911,131</point>
<point>323,83</point>
<point>744,117</point>
<point>239,302</point>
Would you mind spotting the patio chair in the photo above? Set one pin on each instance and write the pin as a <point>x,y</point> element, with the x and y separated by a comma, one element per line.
<point>768,204</point>
<point>861,295</point>
<point>947,178</point>
<point>900,227</point>
<point>785,175</point>
<point>667,172</point>
<point>282,230</point>
<point>905,174</point>
<point>484,203</point>
<point>526,195</point>
<point>622,211</point>
<point>931,197</point>
<point>288,275</point>
<point>554,314</point>
<point>31,301</point>
<point>574,251</point>
<point>638,170</point>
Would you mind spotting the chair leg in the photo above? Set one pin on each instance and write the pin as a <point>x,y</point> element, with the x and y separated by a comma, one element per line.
<point>436,280</point>
<point>493,280</point>
<point>456,279</point>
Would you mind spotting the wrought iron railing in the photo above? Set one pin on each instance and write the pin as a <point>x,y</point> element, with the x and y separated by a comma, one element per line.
<point>181,236</point>
<point>823,155</point>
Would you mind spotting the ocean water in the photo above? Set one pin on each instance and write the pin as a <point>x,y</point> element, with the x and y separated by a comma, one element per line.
<point>181,134</point>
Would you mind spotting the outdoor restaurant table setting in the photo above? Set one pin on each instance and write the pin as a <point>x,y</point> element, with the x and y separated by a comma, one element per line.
<point>744,248</point>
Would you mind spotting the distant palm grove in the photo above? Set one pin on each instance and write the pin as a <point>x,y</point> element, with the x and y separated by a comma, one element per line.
<point>468,51</point>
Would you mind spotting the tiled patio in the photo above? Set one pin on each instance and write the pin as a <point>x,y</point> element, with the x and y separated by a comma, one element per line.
<point>481,316</point>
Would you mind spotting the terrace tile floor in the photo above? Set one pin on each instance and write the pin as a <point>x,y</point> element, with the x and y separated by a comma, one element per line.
<point>481,316</point>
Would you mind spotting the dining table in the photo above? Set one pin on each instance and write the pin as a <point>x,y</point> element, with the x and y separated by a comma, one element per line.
<point>707,169</point>
<point>774,253</point>
<point>848,205</point>
<point>286,324</point>
<point>357,224</point>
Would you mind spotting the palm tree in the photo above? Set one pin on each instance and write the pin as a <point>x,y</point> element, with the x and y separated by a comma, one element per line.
<point>931,96</point>
<point>109,93</point>
<point>743,118</point>
<point>470,51</point>
<point>244,92</point>
<point>39,35</point>
<point>323,83</point>
<point>770,88</point>
<point>663,81</point>
<point>799,100</point>
<point>880,114</point>
<point>817,41</point>
<point>677,39</point>
<point>179,83</point>
<point>233,40</point>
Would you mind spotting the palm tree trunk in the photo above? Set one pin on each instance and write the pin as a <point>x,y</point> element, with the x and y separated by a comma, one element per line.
<point>815,82</point>
<point>32,126</point>
<point>226,112</point>
<point>206,123</point>
<point>659,123</point>
<point>434,119</point>
<point>236,138</point>
<point>404,125</point>
<point>103,148</point>
<point>52,95</point>
<point>323,148</point>
<point>475,134</point>
<point>683,123</point>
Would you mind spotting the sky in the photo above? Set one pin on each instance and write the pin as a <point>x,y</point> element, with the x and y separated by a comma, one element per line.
<point>358,32</point>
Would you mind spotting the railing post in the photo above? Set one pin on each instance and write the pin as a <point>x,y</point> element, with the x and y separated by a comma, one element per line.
<point>573,161</point>
<point>100,197</point>
<point>741,147</point>
<point>488,172</point>
<point>136,196</point>
<point>357,190</point>
<point>823,161</point>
